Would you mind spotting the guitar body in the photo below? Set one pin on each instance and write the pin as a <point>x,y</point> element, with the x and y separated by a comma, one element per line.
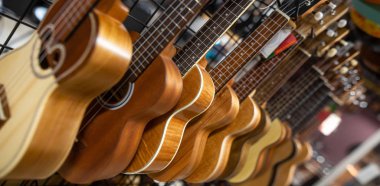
<point>278,154</point>
<point>47,105</point>
<point>285,172</point>
<point>238,144</point>
<point>218,144</point>
<point>108,143</point>
<point>162,136</point>
<point>251,159</point>
<point>222,111</point>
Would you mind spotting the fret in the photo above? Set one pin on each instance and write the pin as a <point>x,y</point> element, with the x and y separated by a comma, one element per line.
<point>258,72</point>
<point>159,34</point>
<point>202,42</point>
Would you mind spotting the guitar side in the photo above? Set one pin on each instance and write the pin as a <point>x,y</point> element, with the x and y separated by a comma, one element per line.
<point>285,172</point>
<point>222,111</point>
<point>154,155</point>
<point>218,145</point>
<point>44,122</point>
<point>249,163</point>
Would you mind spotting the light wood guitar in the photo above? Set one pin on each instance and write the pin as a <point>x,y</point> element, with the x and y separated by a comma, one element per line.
<point>50,81</point>
<point>285,172</point>
<point>152,86</point>
<point>224,107</point>
<point>162,137</point>
<point>249,163</point>
<point>277,154</point>
<point>218,145</point>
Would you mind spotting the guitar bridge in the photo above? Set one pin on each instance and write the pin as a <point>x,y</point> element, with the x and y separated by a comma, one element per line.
<point>4,107</point>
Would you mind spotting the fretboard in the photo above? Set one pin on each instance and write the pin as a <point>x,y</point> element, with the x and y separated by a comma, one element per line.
<point>248,49</point>
<point>154,39</point>
<point>256,74</point>
<point>268,87</point>
<point>298,119</point>
<point>69,16</point>
<point>206,37</point>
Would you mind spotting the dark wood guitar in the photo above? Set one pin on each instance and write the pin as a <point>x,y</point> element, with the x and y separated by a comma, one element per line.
<point>162,136</point>
<point>114,125</point>
<point>79,51</point>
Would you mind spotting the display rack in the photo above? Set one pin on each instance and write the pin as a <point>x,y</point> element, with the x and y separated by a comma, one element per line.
<point>137,22</point>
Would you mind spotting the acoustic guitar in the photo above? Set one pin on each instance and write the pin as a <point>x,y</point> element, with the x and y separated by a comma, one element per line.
<point>225,105</point>
<point>218,145</point>
<point>49,82</point>
<point>114,125</point>
<point>162,136</point>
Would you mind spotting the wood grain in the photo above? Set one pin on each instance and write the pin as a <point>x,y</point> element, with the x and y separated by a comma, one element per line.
<point>237,145</point>
<point>44,122</point>
<point>285,172</point>
<point>162,136</point>
<point>276,155</point>
<point>222,111</point>
<point>249,163</point>
<point>218,144</point>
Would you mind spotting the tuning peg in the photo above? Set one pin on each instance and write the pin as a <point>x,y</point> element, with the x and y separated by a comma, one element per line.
<point>342,23</point>
<point>343,70</point>
<point>332,52</point>
<point>331,33</point>
<point>354,62</point>
<point>318,16</point>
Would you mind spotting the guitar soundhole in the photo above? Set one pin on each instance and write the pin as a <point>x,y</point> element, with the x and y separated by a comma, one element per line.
<point>116,97</point>
<point>4,107</point>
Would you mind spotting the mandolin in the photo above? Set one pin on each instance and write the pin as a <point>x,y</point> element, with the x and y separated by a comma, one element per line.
<point>79,51</point>
<point>162,137</point>
<point>114,125</point>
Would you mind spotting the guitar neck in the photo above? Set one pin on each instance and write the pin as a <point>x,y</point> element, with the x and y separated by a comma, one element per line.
<point>206,37</point>
<point>256,74</point>
<point>66,23</point>
<point>155,39</point>
<point>268,87</point>
<point>248,49</point>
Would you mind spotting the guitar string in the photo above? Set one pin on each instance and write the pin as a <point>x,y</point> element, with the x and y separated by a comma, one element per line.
<point>213,24</point>
<point>223,68</point>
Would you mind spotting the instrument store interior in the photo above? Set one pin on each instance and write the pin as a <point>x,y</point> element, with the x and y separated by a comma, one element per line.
<point>204,92</point>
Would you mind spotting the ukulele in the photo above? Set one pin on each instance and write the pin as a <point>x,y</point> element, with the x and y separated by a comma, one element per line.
<point>250,119</point>
<point>225,105</point>
<point>162,136</point>
<point>265,90</point>
<point>150,88</point>
<point>219,142</point>
<point>62,68</point>
<point>244,87</point>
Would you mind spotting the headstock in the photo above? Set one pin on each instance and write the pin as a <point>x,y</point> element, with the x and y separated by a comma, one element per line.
<point>300,8</point>
<point>309,26</point>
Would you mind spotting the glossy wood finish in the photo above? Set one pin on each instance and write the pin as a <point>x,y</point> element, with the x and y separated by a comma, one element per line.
<point>250,162</point>
<point>238,144</point>
<point>222,111</point>
<point>218,144</point>
<point>44,122</point>
<point>155,93</point>
<point>162,136</point>
<point>285,172</point>
<point>276,155</point>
